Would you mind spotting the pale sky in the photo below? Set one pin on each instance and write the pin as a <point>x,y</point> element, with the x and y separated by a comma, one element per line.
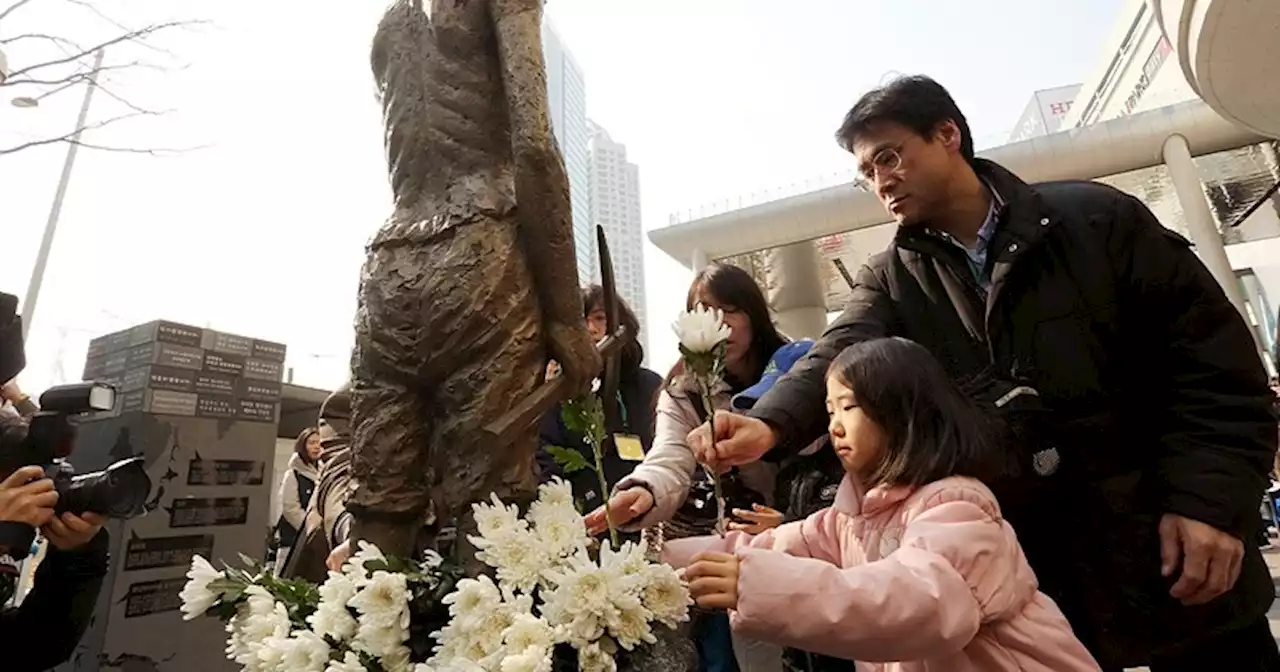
<point>261,231</point>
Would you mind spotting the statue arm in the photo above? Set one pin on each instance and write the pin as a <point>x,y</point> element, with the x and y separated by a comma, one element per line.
<point>542,186</point>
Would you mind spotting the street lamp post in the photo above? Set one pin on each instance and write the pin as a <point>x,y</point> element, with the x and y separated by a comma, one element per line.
<point>51,226</point>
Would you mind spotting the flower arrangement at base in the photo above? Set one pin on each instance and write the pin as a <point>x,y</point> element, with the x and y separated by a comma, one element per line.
<point>554,594</point>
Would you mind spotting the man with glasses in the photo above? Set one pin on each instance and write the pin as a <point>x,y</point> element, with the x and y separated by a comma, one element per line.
<point>1140,421</point>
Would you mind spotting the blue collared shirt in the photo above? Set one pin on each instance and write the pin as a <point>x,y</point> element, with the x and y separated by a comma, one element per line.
<point>977,255</point>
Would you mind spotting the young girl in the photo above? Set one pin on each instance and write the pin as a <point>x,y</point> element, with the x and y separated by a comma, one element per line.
<point>914,565</point>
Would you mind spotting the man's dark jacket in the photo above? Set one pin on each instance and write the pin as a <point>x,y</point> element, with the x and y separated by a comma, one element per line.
<point>1156,398</point>
<point>45,630</point>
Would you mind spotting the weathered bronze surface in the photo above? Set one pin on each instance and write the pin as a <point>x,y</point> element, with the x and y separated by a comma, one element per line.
<point>471,284</point>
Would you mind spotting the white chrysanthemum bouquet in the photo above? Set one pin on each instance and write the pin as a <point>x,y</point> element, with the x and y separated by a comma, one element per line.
<point>554,596</point>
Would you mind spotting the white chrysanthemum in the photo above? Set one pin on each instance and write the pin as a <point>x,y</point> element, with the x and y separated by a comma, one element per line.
<point>700,330</point>
<point>531,659</point>
<point>196,596</point>
<point>260,601</point>
<point>630,626</point>
<point>520,558</point>
<point>349,663</point>
<point>272,652</point>
<point>384,601</point>
<point>557,493</point>
<point>665,595</point>
<point>630,560</point>
<point>597,657</point>
<point>251,632</point>
<point>423,667</point>
<point>496,520</point>
<point>355,565</point>
<point>397,660</point>
<point>377,640</point>
<point>473,595</point>
<point>528,631</point>
<point>560,532</point>
<point>338,589</point>
<point>305,651</point>
<point>333,620</point>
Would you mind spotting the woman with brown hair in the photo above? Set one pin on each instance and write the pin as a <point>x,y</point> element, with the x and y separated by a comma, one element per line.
<point>296,487</point>
<point>668,486</point>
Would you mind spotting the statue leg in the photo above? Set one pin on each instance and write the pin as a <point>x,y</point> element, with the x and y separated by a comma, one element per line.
<point>498,357</point>
<point>390,495</point>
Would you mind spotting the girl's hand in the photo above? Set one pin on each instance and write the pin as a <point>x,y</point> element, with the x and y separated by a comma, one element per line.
<point>757,520</point>
<point>338,557</point>
<point>624,507</point>
<point>713,580</point>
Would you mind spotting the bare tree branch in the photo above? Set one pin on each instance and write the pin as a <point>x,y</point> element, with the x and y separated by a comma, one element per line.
<point>72,68</point>
<point>63,44</point>
<point>132,36</point>
<point>77,77</point>
<point>12,8</point>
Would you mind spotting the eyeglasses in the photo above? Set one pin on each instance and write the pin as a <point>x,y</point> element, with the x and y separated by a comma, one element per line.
<point>885,161</point>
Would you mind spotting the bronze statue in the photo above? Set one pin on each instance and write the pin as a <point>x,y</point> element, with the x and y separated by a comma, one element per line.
<point>470,286</point>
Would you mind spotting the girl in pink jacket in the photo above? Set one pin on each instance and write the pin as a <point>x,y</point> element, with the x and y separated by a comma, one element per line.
<point>913,568</point>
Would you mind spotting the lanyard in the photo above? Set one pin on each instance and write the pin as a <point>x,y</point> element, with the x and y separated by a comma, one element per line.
<point>622,413</point>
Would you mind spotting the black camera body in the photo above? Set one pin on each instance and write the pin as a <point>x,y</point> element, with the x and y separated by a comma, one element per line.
<point>119,491</point>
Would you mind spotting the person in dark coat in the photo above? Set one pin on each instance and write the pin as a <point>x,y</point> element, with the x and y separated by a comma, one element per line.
<point>1142,422</point>
<point>637,394</point>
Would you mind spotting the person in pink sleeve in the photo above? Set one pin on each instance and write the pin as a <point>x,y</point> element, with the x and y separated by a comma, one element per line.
<point>913,568</point>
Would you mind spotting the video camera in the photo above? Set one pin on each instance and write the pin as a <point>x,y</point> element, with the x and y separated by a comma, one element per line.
<point>119,491</point>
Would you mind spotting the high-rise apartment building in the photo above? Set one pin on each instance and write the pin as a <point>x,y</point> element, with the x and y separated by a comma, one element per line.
<point>615,205</point>
<point>567,98</point>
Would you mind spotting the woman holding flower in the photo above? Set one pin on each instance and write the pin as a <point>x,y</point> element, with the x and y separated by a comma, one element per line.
<point>660,485</point>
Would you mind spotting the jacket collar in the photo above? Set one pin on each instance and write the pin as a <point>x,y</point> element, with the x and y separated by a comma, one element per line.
<point>1018,209</point>
<point>854,499</point>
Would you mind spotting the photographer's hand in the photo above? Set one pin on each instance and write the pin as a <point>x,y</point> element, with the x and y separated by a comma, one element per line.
<point>27,497</point>
<point>69,531</point>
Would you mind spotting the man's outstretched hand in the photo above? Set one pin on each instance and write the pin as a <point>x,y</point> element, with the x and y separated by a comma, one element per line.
<point>1210,559</point>
<point>740,440</point>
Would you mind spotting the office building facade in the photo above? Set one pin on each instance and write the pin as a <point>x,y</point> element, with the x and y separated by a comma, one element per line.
<point>615,205</point>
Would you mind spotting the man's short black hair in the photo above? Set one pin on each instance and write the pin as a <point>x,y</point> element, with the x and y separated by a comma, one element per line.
<point>917,102</point>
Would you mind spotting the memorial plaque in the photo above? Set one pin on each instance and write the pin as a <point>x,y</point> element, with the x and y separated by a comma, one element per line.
<point>263,369</point>
<point>208,512</point>
<point>218,362</point>
<point>164,354</point>
<point>209,382</point>
<point>267,350</point>
<point>256,411</point>
<point>162,331</point>
<point>158,378</point>
<point>215,406</point>
<point>159,402</point>
<point>160,552</point>
<point>153,597</point>
<point>259,390</point>
<point>217,341</point>
<point>226,472</point>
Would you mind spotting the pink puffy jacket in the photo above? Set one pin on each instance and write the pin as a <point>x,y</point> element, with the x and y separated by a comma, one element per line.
<point>901,581</point>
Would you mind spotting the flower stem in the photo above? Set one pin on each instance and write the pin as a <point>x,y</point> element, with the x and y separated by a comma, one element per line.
<point>721,522</point>
<point>598,451</point>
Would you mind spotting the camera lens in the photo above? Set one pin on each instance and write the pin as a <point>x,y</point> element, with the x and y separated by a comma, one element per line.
<point>119,491</point>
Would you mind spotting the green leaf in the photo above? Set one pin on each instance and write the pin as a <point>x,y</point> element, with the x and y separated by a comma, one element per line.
<point>570,460</point>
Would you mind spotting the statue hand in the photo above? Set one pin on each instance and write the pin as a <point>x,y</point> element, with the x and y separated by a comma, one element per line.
<point>579,360</point>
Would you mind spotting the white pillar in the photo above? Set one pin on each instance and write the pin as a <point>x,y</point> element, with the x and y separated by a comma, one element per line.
<point>796,290</point>
<point>699,260</point>
<point>1201,223</point>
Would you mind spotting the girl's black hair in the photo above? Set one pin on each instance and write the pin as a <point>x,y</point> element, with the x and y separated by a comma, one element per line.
<point>632,353</point>
<point>932,429</point>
